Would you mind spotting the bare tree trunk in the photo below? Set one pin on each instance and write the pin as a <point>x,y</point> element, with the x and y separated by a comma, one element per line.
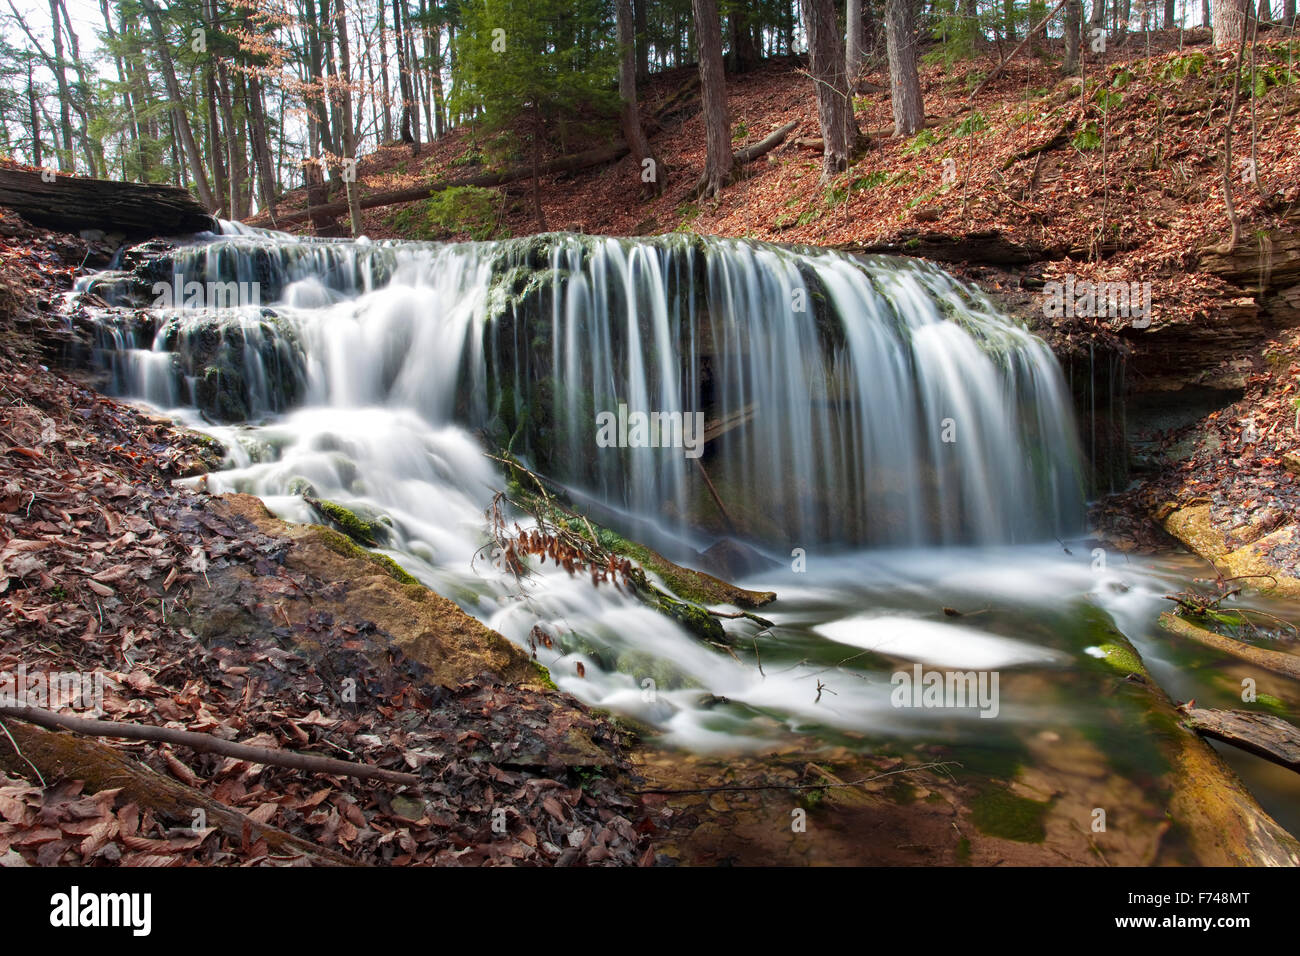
<point>642,36</point>
<point>349,131</point>
<point>834,101</point>
<point>648,168</point>
<point>317,105</point>
<point>261,146</point>
<point>1073,36</point>
<point>743,55</point>
<point>35,117</point>
<point>413,85</point>
<point>403,76</point>
<point>1229,20</point>
<point>81,103</point>
<point>215,163</point>
<point>179,117</point>
<point>853,41</point>
<point>1171,14</point>
<point>538,131</point>
<point>713,93</point>
<point>1099,13</point>
<point>383,73</point>
<point>67,161</point>
<point>904,82</point>
<point>439,96</point>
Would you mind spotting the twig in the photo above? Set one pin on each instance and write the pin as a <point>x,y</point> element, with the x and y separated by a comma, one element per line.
<point>19,751</point>
<point>203,743</point>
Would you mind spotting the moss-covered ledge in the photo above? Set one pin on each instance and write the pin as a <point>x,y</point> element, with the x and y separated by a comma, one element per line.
<point>361,587</point>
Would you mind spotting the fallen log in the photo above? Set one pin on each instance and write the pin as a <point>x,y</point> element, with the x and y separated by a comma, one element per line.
<point>59,756</point>
<point>1061,138</point>
<point>565,164</point>
<point>1261,734</point>
<point>75,203</point>
<point>765,145</point>
<point>204,743</point>
<point>751,153</point>
<point>1277,661</point>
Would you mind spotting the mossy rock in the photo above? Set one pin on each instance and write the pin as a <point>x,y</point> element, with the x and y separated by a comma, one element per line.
<point>343,545</point>
<point>544,676</point>
<point>365,526</point>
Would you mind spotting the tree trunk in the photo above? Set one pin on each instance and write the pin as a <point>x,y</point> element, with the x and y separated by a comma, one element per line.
<point>383,73</point>
<point>349,130</point>
<point>1099,13</point>
<point>81,103</point>
<point>1288,14</point>
<point>261,146</point>
<point>35,117</point>
<point>1229,19</point>
<point>1073,36</point>
<point>834,101</point>
<point>713,93</point>
<point>1170,14</point>
<point>853,42</point>
<point>642,39</point>
<point>403,75</point>
<point>904,83</point>
<point>215,164</point>
<point>66,160</point>
<point>537,168</point>
<point>1205,13</point>
<point>412,82</point>
<point>179,116</point>
<point>646,162</point>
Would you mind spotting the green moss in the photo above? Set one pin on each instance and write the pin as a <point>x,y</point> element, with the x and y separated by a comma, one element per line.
<point>343,545</point>
<point>1000,813</point>
<point>1269,702</point>
<point>963,852</point>
<point>363,532</point>
<point>544,676</point>
<point>1123,658</point>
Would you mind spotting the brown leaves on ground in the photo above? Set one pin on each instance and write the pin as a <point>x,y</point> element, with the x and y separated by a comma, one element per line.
<point>99,553</point>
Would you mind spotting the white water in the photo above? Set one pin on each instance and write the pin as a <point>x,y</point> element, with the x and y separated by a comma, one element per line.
<point>397,348</point>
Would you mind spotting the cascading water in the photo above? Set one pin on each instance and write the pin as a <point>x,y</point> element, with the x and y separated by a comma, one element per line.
<point>879,402</point>
<point>845,404</point>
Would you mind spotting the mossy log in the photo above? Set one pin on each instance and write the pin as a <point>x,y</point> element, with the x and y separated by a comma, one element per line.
<point>1225,824</point>
<point>1261,734</point>
<point>1278,662</point>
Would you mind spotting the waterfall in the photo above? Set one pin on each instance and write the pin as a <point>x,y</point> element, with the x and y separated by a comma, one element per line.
<point>843,402</point>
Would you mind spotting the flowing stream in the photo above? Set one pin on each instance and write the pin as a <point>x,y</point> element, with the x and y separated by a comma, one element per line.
<point>891,448</point>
